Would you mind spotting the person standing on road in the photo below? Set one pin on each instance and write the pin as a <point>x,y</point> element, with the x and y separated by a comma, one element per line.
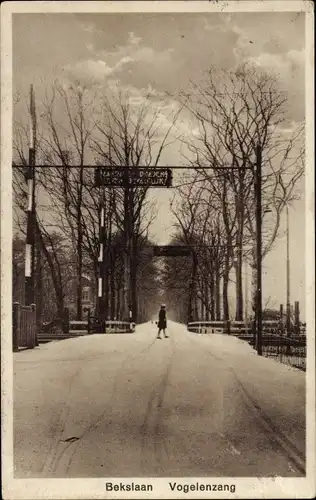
<point>162,321</point>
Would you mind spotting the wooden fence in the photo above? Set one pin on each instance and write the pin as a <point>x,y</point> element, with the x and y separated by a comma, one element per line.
<point>86,327</point>
<point>23,326</point>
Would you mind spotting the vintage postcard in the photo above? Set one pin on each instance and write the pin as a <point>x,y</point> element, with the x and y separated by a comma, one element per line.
<point>157,250</point>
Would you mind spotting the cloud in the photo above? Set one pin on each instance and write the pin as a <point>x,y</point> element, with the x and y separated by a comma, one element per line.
<point>286,66</point>
<point>122,62</point>
<point>88,28</point>
<point>134,40</point>
<point>125,57</point>
<point>97,69</point>
<point>90,47</point>
<point>252,43</point>
<point>210,27</point>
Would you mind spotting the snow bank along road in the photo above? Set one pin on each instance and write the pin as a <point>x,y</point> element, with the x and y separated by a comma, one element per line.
<point>131,405</point>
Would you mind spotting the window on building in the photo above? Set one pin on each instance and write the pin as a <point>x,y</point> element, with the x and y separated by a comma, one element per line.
<point>86,294</point>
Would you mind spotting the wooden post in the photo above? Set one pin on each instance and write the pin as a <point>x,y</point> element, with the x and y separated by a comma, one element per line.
<point>228,324</point>
<point>16,318</point>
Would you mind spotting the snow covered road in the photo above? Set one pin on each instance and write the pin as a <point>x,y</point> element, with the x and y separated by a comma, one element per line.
<point>131,405</point>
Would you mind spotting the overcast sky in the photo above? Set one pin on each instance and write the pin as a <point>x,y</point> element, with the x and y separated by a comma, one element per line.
<point>164,52</point>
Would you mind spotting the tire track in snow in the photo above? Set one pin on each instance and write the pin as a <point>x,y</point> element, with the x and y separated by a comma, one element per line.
<point>152,432</point>
<point>54,453</point>
<point>277,437</point>
<point>62,451</point>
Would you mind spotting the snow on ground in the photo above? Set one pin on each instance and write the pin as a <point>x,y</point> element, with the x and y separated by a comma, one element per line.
<point>230,344</point>
<point>81,373</point>
<point>277,388</point>
<point>265,380</point>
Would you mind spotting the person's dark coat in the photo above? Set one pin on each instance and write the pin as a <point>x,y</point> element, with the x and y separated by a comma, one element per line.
<point>162,320</point>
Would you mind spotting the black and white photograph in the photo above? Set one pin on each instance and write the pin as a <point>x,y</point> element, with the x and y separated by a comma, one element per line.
<point>157,250</point>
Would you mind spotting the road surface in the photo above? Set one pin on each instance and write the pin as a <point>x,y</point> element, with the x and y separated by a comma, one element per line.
<point>131,405</point>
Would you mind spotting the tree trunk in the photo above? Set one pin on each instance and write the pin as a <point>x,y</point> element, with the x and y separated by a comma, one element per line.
<point>133,277</point>
<point>227,253</point>
<point>106,291</point>
<point>112,285</point>
<point>118,312</point>
<point>39,286</point>
<point>207,305</point>
<point>202,301</point>
<point>196,308</point>
<point>119,296</point>
<point>120,287</point>
<point>239,288</point>
<point>239,200</point>
<point>192,286</point>
<point>212,294</point>
<point>225,288</point>
<point>79,247</point>
<point>59,293</point>
<point>254,278</point>
<point>79,274</point>
<point>217,294</point>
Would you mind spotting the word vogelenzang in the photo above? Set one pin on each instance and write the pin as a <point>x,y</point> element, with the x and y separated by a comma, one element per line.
<point>185,488</point>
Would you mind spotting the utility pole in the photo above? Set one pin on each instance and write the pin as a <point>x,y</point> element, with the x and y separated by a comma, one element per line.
<point>258,248</point>
<point>31,214</point>
<point>288,298</point>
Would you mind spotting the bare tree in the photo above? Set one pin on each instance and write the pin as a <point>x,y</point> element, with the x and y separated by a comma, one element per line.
<point>199,223</point>
<point>132,136</point>
<point>236,111</point>
<point>66,143</point>
<point>62,140</point>
<point>75,132</point>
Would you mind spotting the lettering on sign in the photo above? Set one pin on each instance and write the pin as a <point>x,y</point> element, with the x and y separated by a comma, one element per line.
<point>133,177</point>
<point>172,251</point>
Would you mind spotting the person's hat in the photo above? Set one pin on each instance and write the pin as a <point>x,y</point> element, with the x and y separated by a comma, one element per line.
<point>163,305</point>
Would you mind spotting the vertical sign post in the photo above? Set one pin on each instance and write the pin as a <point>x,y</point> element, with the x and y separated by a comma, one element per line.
<point>30,232</point>
<point>100,304</point>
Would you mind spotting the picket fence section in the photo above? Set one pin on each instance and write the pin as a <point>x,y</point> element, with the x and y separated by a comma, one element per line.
<point>23,326</point>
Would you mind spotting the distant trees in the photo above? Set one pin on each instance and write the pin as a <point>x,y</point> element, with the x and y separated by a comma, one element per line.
<point>77,128</point>
<point>131,135</point>
<point>55,270</point>
<point>234,112</point>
